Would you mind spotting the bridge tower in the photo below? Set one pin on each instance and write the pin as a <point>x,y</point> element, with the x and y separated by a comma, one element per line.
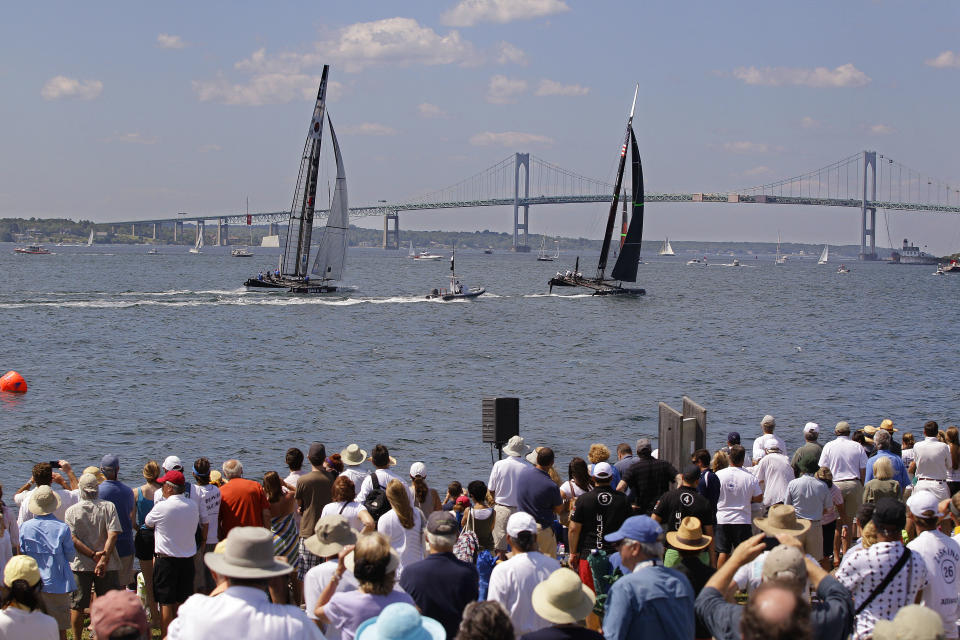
<point>868,212</point>
<point>177,231</point>
<point>223,232</point>
<point>520,244</point>
<point>391,237</point>
<point>156,229</point>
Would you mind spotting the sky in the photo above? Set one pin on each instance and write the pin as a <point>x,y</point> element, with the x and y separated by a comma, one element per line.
<point>119,111</point>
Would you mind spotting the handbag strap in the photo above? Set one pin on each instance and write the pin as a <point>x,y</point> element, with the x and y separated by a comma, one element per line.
<point>894,570</point>
<point>469,525</point>
<point>345,503</point>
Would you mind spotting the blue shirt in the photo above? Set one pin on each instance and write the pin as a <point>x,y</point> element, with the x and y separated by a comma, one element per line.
<point>122,498</point>
<point>899,469</point>
<point>809,496</point>
<point>651,602</point>
<point>537,495</point>
<point>48,541</point>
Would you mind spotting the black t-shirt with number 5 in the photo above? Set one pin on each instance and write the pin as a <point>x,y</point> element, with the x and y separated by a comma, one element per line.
<point>599,511</point>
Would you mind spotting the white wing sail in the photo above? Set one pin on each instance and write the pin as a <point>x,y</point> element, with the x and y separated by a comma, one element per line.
<point>90,239</point>
<point>332,250</point>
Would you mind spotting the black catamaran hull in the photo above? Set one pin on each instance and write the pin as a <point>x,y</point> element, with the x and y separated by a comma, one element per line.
<point>289,286</point>
<point>599,287</point>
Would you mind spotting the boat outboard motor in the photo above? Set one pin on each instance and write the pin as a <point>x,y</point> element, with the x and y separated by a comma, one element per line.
<point>435,292</point>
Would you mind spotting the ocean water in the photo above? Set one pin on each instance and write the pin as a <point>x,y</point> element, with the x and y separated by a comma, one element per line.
<point>147,356</point>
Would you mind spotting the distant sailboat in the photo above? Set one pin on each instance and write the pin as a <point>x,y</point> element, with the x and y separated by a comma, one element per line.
<point>625,267</point>
<point>90,239</point>
<point>199,244</point>
<point>666,249</point>
<point>781,259</point>
<point>543,256</point>
<point>824,255</point>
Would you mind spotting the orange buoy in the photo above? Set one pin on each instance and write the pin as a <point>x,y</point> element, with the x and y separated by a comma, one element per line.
<point>13,382</point>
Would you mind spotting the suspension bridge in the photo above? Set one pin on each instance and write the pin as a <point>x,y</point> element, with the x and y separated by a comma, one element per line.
<point>867,181</point>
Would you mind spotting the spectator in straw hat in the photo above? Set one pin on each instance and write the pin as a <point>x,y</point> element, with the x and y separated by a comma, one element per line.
<point>566,602</point>
<point>690,543</point>
<point>503,484</point>
<point>243,610</point>
<point>23,617</point>
<point>95,528</point>
<point>887,425</point>
<point>119,615</point>
<point>353,459</point>
<point>913,622</point>
<point>331,535</point>
<point>48,541</point>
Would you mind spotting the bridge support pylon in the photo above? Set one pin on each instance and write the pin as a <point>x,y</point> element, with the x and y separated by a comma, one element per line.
<point>156,229</point>
<point>177,231</point>
<point>223,232</point>
<point>521,226</point>
<point>391,236</point>
<point>272,229</point>
<point>868,213</point>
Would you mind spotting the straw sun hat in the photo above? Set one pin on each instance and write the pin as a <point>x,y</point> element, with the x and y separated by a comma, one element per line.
<point>689,536</point>
<point>353,455</point>
<point>782,518</point>
<point>562,598</point>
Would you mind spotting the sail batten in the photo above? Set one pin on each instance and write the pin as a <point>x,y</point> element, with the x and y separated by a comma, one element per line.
<point>332,249</point>
<point>625,268</point>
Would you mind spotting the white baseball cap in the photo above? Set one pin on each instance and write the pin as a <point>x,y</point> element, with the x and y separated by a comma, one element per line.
<point>924,504</point>
<point>811,426</point>
<point>418,469</point>
<point>172,462</point>
<point>520,521</point>
<point>602,470</point>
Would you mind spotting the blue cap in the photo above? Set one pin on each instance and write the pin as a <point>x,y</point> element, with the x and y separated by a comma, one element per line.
<point>639,528</point>
<point>110,461</point>
<point>733,437</point>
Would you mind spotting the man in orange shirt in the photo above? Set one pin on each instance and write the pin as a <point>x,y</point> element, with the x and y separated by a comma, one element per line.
<point>243,502</point>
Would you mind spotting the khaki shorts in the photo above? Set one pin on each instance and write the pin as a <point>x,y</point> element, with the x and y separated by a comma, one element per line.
<point>126,574</point>
<point>852,492</point>
<point>813,541</point>
<point>502,513</point>
<point>58,607</point>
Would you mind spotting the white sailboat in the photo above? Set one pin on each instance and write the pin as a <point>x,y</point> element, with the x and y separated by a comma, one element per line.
<point>199,245</point>
<point>90,239</point>
<point>824,255</point>
<point>781,259</point>
<point>543,256</point>
<point>244,252</point>
<point>666,249</point>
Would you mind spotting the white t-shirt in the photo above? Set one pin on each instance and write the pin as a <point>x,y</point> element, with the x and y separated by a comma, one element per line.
<point>511,584</point>
<point>210,494</point>
<point>504,479</point>
<point>67,500</point>
<point>760,446</point>
<point>775,472</point>
<point>941,555</point>
<point>357,475</point>
<point>292,479</point>
<point>17,624</point>
<point>406,542</point>
<point>571,490</point>
<point>197,498</point>
<point>351,512</point>
<point>908,456</point>
<point>845,459</point>
<point>316,581</point>
<point>737,488</point>
<point>383,477</point>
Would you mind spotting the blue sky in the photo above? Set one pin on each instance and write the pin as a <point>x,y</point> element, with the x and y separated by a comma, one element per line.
<point>119,110</point>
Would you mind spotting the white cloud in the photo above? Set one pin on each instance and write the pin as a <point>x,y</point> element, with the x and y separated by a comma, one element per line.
<point>881,129</point>
<point>512,139</point>
<point>59,87</point>
<point>809,123</point>
<point>761,170</point>
<point>133,137</point>
<point>265,88</point>
<point>553,88</point>
<point>504,90</point>
<point>428,110</point>
<point>946,60</point>
<point>746,147</point>
<point>370,129</point>
<point>510,54</point>
<point>845,75</point>
<point>468,13</point>
<point>167,41</point>
<point>207,148</point>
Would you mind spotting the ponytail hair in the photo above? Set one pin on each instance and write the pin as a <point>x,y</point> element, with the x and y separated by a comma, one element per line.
<point>29,596</point>
<point>420,489</point>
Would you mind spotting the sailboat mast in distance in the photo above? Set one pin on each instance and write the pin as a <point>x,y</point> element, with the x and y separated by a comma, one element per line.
<point>296,252</point>
<point>612,217</point>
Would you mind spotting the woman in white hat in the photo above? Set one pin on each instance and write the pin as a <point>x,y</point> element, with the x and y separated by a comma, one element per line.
<point>23,616</point>
<point>353,458</point>
<point>424,498</point>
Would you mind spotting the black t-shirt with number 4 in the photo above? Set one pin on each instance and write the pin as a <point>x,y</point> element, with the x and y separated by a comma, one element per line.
<point>677,504</point>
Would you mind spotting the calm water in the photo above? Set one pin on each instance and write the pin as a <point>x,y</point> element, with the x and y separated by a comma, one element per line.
<point>148,356</point>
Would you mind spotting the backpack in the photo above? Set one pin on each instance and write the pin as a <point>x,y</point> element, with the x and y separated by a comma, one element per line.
<point>467,543</point>
<point>376,502</point>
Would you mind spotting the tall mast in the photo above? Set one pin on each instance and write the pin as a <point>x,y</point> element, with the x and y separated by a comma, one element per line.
<point>296,252</point>
<point>612,216</point>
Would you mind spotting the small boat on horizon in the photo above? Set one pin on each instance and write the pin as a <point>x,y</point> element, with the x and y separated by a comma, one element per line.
<point>423,257</point>
<point>543,256</point>
<point>824,255</point>
<point>666,249</point>
<point>843,268</point>
<point>153,252</point>
<point>698,261</point>
<point>242,252</point>
<point>32,249</point>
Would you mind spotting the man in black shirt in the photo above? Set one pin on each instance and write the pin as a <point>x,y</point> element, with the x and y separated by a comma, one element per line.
<point>681,503</point>
<point>599,511</point>
<point>648,479</point>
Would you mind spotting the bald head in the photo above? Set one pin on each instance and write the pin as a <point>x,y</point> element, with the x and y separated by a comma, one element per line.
<point>775,612</point>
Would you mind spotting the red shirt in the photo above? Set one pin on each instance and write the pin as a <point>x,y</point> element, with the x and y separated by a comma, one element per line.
<point>242,504</point>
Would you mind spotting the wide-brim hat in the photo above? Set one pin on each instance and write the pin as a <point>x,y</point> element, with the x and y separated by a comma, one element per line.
<point>353,455</point>
<point>332,533</point>
<point>43,501</point>
<point>401,621</point>
<point>782,518</point>
<point>349,561</point>
<point>562,598</point>
<point>887,425</point>
<point>248,553</point>
<point>393,461</point>
<point>869,429</point>
<point>516,446</point>
<point>689,536</point>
